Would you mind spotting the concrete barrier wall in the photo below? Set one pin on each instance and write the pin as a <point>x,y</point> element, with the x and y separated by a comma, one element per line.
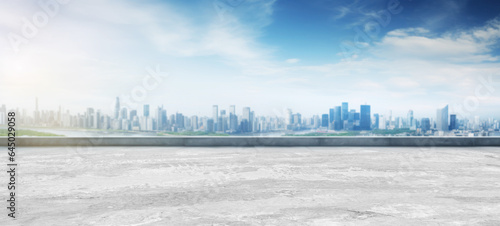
<point>254,141</point>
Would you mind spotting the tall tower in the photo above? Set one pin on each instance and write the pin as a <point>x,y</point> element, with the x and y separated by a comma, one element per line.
<point>453,122</point>
<point>215,115</point>
<point>442,119</point>
<point>146,110</point>
<point>117,108</point>
<point>345,110</point>
<point>338,124</point>
<point>409,119</point>
<point>365,117</point>
<point>247,118</point>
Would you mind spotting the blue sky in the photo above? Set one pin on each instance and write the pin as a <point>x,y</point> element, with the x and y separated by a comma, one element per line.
<point>267,54</point>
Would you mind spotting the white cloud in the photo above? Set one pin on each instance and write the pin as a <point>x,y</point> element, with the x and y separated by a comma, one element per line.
<point>292,61</point>
<point>470,46</point>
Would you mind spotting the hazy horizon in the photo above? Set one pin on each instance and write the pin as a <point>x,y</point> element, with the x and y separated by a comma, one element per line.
<point>270,55</point>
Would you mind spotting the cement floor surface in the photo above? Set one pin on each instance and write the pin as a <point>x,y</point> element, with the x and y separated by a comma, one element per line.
<point>257,186</point>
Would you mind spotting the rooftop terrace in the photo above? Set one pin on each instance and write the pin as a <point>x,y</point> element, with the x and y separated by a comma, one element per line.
<point>258,185</point>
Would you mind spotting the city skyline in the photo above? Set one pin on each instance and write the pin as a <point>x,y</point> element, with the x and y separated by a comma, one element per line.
<point>140,108</point>
<point>268,54</point>
<point>339,118</point>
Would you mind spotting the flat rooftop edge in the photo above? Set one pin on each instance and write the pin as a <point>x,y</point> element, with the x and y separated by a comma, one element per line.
<point>241,141</point>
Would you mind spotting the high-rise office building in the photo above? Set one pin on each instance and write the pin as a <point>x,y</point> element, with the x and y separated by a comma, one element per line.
<point>194,122</point>
<point>179,121</point>
<point>159,118</point>
<point>221,123</point>
<point>289,117</point>
<point>332,115</point>
<point>146,110</point>
<point>425,124</point>
<point>382,123</point>
<point>345,111</point>
<point>90,118</point>
<point>442,119</point>
<point>251,122</point>
<point>324,120</point>
<point>233,122</point>
<point>97,120</point>
<point>409,119</point>
<point>209,127</point>
<point>376,121</point>
<point>215,115</point>
<point>117,108</point>
<point>247,117</point>
<point>453,122</point>
<point>338,124</point>
<point>365,118</point>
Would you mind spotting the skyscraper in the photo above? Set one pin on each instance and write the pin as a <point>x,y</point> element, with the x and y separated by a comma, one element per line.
<point>159,118</point>
<point>409,119</point>
<point>194,122</point>
<point>209,127</point>
<point>345,111</point>
<point>332,115</point>
<point>365,118</point>
<point>338,124</point>
<point>382,122</point>
<point>453,122</point>
<point>426,124</point>
<point>117,108</point>
<point>233,119</point>
<point>377,120</point>
<point>324,120</point>
<point>442,119</point>
<point>246,116</point>
<point>215,115</point>
<point>146,110</point>
<point>179,120</point>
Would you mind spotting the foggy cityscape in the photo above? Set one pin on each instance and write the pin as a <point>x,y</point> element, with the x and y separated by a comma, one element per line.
<point>338,120</point>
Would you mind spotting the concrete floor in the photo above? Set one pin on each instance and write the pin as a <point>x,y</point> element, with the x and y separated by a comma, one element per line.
<point>257,186</point>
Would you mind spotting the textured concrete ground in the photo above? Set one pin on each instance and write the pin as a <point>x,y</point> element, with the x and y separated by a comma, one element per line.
<point>257,186</point>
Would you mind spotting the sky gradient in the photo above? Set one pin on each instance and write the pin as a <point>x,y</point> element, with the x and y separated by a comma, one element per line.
<point>307,55</point>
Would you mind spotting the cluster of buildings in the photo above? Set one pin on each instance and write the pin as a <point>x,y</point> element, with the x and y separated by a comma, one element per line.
<point>339,118</point>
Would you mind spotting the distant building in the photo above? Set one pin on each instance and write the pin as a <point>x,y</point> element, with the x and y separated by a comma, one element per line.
<point>210,125</point>
<point>365,120</point>
<point>345,111</point>
<point>324,120</point>
<point>123,114</point>
<point>453,122</point>
<point>117,108</point>
<point>425,124</point>
<point>331,116</point>
<point>382,123</point>
<point>146,110</point>
<point>179,121</point>
<point>376,121</point>
<point>409,119</point>
<point>215,115</point>
<point>248,116</point>
<point>338,124</point>
<point>442,119</point>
